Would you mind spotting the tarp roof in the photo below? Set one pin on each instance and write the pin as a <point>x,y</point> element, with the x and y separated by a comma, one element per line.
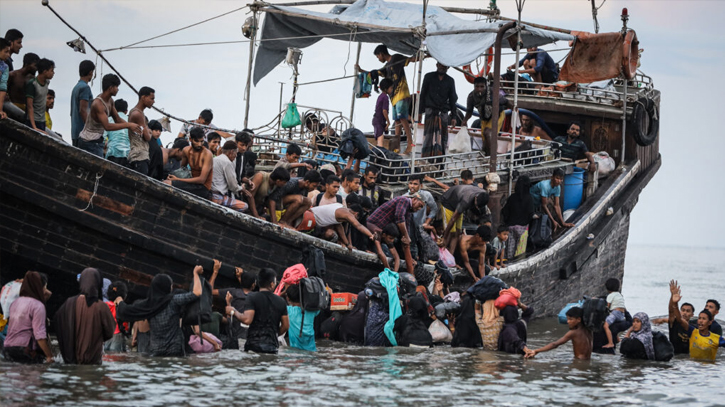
<point>389,23</point>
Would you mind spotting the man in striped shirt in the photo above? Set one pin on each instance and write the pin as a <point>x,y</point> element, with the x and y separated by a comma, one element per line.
<point>400,212</point>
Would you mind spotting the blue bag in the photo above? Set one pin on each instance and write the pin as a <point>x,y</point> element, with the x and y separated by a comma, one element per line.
<point>567,307</point>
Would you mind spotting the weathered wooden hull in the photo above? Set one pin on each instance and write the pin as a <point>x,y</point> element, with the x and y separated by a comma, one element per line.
<point>137,227</point>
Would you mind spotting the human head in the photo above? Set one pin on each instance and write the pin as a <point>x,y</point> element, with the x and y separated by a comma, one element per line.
<point>109,82</point>
<point>243,140</point>
<point>293,152</point>
<point>47,67</point>
<point>196,135</point>
<point>527,124</point>
<point>214,139</point>
<point>161,284</point>
<point>50,99</point>
<point>612,285</point>
<point>86,68</point>
<point>33,286</point>
<point>91,285</point>
<point>353,199</point>
<point>557,177</point>
<point>416,202</point>
<point>147,96</point>
<point>16,40</point>
<point>574,317</point>
<point>366,203</point>
<point>117,289</point>
<point>467,176</point>
<point>313,179</point>
<point>279,176</point>
<point>332,185</point>
<point>206,116</point>
<point>381,51</point>
<point>352,179</point>
<point>481,200</point>
<point>177,148</point>
<point>30,62</point>
<point>229,149</point>
<point>267,278</point>
<point>704,320</point>
<point>441,69</point>
<point>574,129</point>
<point>510,314</point>
<point>386,86</point>
<point>5,47</point>
<point>503,233</point>
<point>121,105</point>
<point>531,49</point>
<point>371,174</point>
<point>356,209</point>
<point>155,128</point>
<point>483,233</point>
<point>248,280</point>
<point>389,233</point>
<point>687,310</point>
<point>414,183</point>
<point>713,306</point>
<point>479,85</point>
<point>312,122</point>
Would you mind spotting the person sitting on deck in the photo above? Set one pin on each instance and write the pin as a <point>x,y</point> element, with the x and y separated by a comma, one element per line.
<point>138,157</point>
<point>174,155</point>
<point>456,201</point>
<point>264,183</point>
<point>14,104</point>
<point>200,161</point>
<point>266,314</point>
<point>331,195</point>
<point>573,148</point>
<point>214,141</point>
<point>329,221</point>
<point>368,187</point>
<point>26,331</point>
<point>399,211</point>
<point>204,119</point>
<point>530,129</point>
<point>580,337</point>
<point>117,143</point>
<point>542,194</point>
<point>290,161</point>
<point>224,182</point>
<point>481,99</point>
<point>163,309</point>
<point>350,183</point>
<point>292,196</point>
<point>539,64</point>
<point>468,244</point>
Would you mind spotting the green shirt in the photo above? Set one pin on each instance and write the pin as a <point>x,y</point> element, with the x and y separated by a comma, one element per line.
<point>33,89</point>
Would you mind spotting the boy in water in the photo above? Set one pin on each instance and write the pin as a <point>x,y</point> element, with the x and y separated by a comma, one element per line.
<point>615,303</point>
<point>581,337</point>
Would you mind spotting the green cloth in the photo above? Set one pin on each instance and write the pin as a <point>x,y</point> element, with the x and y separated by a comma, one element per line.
<point>213,326</point>
<point>389,280</point>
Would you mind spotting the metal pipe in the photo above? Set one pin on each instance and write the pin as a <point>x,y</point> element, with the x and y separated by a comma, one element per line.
<point>493,141</point>
<point>248,89</point>
<point>357,61</point>
<point>279,122</point>
<point>416,107</point>
<point>515,111</point>
<point>624,121</point>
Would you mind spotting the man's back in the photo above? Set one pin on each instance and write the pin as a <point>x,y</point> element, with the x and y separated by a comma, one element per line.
<point>264,329</point>
<point>582,340</point>
<point>543,189</point>
<point>16,86</point>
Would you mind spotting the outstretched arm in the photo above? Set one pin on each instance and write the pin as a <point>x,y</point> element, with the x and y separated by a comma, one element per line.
<point>553,345</point>
<point>674,307</point>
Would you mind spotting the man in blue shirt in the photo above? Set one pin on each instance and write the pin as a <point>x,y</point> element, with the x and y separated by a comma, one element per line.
<point>80,100</point>
<point>542,193</point>
<point>539,64</point>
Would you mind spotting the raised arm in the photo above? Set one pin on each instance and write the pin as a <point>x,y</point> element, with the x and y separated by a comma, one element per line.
<point>198,270</point>
<point>674,307</point>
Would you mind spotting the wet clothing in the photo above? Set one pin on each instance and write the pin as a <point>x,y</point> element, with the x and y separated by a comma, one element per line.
<point>263,331</point>
<point>80,92</point>
<point>239,300</point>
<point>352,327</point>
<point>644,335</point>
<point>27,326</point>
<point>574,151</point>
<point>513,335</point>
<point>167,338</point>
<point>466,333</point>
<point>157,299</point>
<point>306,341</point>
<point>411,329</point>
<point>375,321</point>
<point>143,342</point>
<point>679,337</point>
<point>704,347</point>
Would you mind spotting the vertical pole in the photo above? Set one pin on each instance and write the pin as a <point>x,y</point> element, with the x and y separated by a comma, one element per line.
<point>515,111</point>
<point>357,61</point>
<point>279,110</point>
<point>416,109</point>
<point>249,68</point>
<point>624,121</point>
<point>493,141</point>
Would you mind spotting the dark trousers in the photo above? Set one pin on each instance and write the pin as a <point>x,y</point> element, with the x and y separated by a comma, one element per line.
<point>140,166</point>
<point>93,147</point>
<point>122,161</point>
<point>196,189</point>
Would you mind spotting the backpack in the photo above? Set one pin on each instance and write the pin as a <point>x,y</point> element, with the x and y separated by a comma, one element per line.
<point>352,139</point>
<point>375,290</point>
<point>540,232</point>
<point>313,294</point>
<point>314,261</point>
<point>319,198</point>
<point>664,351</point>
<point>595,313</point>
<point>199,311</point>
<point>392,168</point>
<point>487,288</point>
<point>330,327</point>
<point>428,248</point>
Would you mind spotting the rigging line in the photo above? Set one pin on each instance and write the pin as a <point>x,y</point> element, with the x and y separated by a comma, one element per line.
<point>326,80</point>
<point>184,28</point>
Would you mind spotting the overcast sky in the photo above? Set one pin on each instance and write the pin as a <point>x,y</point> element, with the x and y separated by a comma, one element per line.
<point>683,205</point>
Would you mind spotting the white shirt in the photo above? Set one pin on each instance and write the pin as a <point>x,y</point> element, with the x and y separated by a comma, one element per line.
<point>224,179</point>
<point>615,300</point>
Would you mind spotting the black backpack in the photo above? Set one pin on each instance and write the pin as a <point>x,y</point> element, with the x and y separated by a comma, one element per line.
<point>540,232</point>
<point>664,351</point>
<point>313,295</point>
<point>314,260</point>
<point>428,248</point>
<point>390,171</point>
<point>595,312</point>
<point>375,290</point>
<point>330,327</point>
<point>199,311</point>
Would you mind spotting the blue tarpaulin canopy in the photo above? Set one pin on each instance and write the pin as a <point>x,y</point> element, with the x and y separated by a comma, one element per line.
<point>397,25</point>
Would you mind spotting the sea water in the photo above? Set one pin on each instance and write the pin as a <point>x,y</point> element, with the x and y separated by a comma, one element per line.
<point>342,375</point>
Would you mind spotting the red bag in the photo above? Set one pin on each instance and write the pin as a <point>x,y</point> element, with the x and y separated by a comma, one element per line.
<point>506,299</point>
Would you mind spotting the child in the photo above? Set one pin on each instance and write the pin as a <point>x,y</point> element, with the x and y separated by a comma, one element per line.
<point>615,303</point>
<point>381,121</point>
<point>290,160</point>
<point>304,339</point>
<point>581,338</point>
<point>499,245</point>
<point>36,92</point>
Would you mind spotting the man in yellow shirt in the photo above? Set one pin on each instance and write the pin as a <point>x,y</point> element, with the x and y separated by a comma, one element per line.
<point>703,343</point>
<point>49,104</point>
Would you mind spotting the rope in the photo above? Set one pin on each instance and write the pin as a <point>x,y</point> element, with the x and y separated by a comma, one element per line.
<point>95,189</point>
<point>326,80</point>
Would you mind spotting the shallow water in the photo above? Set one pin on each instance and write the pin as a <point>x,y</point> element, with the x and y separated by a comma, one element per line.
<point>341,375</point>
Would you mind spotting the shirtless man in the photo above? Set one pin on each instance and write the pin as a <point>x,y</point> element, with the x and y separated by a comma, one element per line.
<point>472,243</point>
<point>330,218</point>
<point>16,86</point>
<point>200,160</point>
<point>528,128</point>
<point>264,183</point>
<point>138,156</point>
<point>581,338</point>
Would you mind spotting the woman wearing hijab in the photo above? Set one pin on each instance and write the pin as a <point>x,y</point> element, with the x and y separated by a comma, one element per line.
<point>352,327</point>
<point>26,329</point>
<point>162,309</point>
<point>84,322</point>
<point>641,330</point>
<point>466,333</point>
<point>410,328</point>
<point>512,338</point>
<point>517,214</point>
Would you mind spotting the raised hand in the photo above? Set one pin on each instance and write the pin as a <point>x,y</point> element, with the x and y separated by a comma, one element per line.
<point>217,265</point>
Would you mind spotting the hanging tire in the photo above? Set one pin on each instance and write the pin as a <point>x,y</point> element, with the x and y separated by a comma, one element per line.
<point>645,121</point>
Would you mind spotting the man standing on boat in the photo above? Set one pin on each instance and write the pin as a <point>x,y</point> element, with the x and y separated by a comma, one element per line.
<point>573,148</point>
<point>138,157</point>
<point>80,100</point>
<point>438,101</point>
<point>394,70</point>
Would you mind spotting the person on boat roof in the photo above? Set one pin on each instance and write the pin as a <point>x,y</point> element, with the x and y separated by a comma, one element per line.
<point>224,182</point>
<point>204,119</point>
<point>573,148</point>
<point>539,64</point>
<point>138,157</point>
<point>542,194</point>
<point>80,100</point>
<point>481,98</point>
<point>292,196</point>
<point>200,161</point>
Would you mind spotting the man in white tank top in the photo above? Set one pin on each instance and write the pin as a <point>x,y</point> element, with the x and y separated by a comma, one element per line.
<point>329,219</point>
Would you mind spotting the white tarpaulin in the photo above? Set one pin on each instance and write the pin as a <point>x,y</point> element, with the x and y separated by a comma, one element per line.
<point>398,30</point>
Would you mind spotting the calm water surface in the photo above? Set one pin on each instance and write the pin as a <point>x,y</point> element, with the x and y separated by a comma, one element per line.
<point>341,375</point>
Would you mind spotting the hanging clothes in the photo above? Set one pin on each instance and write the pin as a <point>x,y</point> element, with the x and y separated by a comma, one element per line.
<point>389,280</point>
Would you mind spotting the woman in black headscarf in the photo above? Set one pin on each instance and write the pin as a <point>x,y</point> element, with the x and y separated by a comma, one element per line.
<point>84,322</point>
<point>26,328</point>
<point>352,327</point>
<point>410,328</point>
<point>467,334</point>
<point>512,338</point>
<point>517,214</point>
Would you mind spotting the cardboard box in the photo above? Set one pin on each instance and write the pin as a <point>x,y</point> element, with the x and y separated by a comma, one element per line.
<point>342,301</point>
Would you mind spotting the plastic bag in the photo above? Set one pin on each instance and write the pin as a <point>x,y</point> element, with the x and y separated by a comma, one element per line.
<point>461,142</point>
<point>606,163</point>
<point>446,257</point>
<point>10,292</point>
<point>440,332</point>
<point>562,313</point>
<point>291,116</point>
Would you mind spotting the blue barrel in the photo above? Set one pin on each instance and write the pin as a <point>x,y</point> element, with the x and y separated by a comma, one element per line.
<point>574,189</point>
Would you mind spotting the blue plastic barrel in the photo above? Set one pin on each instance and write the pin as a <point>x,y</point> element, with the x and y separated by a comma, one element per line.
<point>574,189</point>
